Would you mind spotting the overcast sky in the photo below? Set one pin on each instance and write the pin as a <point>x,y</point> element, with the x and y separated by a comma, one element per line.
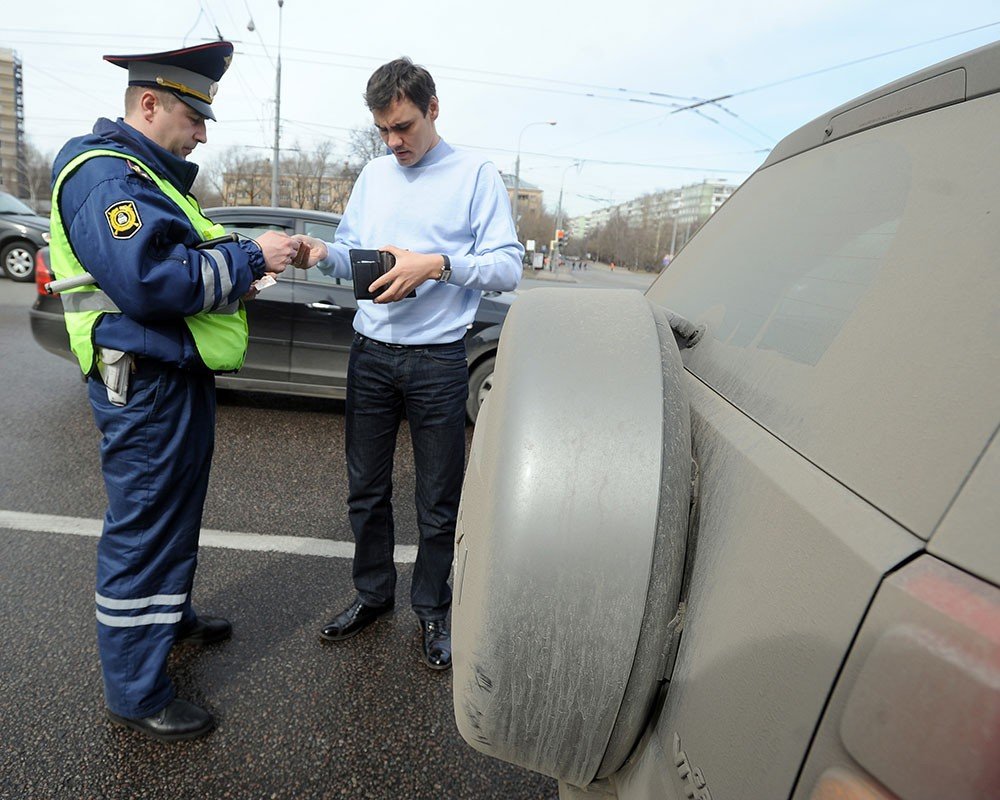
<point>606,72</point>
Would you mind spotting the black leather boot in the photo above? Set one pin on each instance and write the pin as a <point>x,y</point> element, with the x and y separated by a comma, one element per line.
<point>178,721</point>
<point>205,630</point>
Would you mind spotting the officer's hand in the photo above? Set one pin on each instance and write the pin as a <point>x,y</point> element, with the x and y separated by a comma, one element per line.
<point>317,250</point>
<point>411,270</point>
<point>278,248</point>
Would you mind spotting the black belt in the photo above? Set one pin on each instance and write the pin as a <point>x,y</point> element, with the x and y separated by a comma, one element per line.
<point>391,346</point>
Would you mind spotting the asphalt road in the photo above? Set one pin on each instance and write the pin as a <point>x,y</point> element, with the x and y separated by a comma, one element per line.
<point>596,276</point>
<point>298,718</point>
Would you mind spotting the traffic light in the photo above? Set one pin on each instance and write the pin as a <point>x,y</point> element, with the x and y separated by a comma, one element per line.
<point>561,236</point>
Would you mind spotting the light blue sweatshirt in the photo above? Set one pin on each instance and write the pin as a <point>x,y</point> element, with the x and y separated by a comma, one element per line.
<point>450,202</point>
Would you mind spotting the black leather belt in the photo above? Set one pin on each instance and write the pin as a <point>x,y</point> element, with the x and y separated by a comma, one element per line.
<point>391,346</point>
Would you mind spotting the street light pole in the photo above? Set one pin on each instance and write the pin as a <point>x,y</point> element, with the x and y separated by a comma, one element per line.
<point>517,173</point>
<point>277,116</point>
<point>554,255</point>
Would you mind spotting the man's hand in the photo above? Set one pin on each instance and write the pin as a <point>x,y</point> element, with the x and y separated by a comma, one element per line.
<point>411,270</point>
<point>317,249</point>
<point>278,248</point>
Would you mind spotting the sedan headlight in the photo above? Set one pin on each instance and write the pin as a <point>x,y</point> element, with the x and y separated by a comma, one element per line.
<point>46,237</point>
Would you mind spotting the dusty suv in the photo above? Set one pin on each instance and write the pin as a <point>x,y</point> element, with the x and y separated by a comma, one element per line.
<point>738,537</point>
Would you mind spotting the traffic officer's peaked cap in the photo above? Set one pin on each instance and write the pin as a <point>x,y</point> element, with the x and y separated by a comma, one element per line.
<point>191,73</point>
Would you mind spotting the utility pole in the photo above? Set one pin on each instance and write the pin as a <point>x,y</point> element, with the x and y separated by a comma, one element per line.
<point>554,255</point>
<point>277,116</point>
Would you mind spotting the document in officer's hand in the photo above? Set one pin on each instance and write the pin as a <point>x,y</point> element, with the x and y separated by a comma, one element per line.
<point>264,281</point>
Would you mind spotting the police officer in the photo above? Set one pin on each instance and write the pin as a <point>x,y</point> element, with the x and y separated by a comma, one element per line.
<point>163,316</point>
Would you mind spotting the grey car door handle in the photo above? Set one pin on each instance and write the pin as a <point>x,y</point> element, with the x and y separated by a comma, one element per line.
<point>320,306</point>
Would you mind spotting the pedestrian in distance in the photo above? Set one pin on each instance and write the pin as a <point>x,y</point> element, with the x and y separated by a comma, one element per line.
<point>162,315</point>
<point>445,216</point>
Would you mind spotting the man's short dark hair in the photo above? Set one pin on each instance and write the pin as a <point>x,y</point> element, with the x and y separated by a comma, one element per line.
<point>397,80</point>
<point>133,93</point>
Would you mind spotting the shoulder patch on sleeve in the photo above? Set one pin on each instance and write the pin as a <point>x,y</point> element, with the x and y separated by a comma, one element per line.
<point>123,219</point>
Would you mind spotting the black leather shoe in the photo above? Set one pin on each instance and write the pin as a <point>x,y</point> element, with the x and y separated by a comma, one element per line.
<point>205,630</point>
<point>436,643</point>
<point>178,721</point>
<point>352,620</point>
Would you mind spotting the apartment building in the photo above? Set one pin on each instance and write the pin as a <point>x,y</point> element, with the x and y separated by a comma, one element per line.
<point>529,195</point>
<point>11,124</point>
<point>689,205</point>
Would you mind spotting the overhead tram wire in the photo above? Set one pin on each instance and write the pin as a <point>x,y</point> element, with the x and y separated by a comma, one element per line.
<point>852,63</point>
<point>201,12</point>
<point>600,161</point>
<point>717,101</point>
<point>589,161</point>
<point>251,26</point>
<point>697,101</point>
<point>29,62</point>
<point>237,25</point>
<point>62,81</point>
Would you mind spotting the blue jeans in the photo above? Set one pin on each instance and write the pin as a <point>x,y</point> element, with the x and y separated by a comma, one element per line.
<point>431,384</point>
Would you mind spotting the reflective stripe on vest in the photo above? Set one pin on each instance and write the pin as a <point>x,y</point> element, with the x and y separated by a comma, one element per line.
<point>220,334</point>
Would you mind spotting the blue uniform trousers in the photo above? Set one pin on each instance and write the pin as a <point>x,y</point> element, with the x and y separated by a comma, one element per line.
<point>431,384</point>
<point>156,452</point>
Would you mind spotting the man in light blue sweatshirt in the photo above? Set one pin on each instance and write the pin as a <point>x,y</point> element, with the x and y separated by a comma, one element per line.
<point>445,216</point>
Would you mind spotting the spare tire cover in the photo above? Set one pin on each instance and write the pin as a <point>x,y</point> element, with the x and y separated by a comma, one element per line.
<point>571,533</point>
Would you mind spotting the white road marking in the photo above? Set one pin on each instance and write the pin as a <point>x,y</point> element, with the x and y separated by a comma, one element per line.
<point>231,540</point>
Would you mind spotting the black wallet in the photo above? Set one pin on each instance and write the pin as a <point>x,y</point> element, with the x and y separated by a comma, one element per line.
<point>366,266</point>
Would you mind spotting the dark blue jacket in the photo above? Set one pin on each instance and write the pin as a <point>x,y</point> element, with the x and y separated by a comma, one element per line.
<point>154,276</point>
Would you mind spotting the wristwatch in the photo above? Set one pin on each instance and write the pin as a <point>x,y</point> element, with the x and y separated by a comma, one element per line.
<point>445,270</point>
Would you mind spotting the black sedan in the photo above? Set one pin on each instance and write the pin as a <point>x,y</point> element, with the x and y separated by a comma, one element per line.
<point>22,232</point>
<point>301,328</point>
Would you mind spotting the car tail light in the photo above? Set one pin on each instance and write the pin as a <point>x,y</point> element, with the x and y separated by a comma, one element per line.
<point>921,698</point>
<point>43,274</point>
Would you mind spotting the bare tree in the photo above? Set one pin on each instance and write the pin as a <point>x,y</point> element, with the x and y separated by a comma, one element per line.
<point>205,192</point>
<point>37,174</point>
<point>366,144</point>
<point>309,178</point>
<point>537,224</point>
<point>314,179</point>
<point>237,177</point>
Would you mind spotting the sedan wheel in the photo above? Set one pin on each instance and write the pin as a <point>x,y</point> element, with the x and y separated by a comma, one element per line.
<point>18,261</point>
<point>480,383</point>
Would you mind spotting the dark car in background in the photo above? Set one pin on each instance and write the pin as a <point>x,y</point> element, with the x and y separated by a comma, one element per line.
<point>302,327</point>
<point>22,233</point>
